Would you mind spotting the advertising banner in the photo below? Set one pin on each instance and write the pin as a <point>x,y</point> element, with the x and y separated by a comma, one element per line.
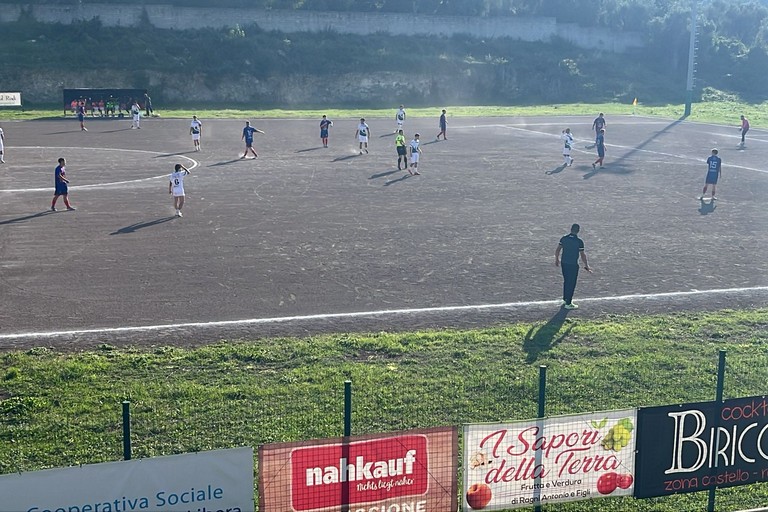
<point>700,446</point>
<point>10,99</point>
<point>205,481</point>
<point>566,458</point>
<point>400,471</point>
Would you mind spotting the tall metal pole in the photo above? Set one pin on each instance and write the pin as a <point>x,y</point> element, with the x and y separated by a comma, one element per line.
<point>719,400</point>
<point>126,430</point>
<point>691,58</point>
<point>540,425</point>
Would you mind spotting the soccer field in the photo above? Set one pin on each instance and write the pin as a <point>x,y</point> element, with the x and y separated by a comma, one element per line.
<point>305,239</point>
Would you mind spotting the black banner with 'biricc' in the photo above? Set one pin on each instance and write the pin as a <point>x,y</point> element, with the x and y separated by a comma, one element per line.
<point>695,447</point>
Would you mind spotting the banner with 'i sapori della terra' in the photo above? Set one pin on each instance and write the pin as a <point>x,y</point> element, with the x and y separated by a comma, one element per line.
<point>566,458</point>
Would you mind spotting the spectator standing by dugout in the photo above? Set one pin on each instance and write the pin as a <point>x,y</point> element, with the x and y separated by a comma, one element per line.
<point>148,105</point>
<point>572,249</point>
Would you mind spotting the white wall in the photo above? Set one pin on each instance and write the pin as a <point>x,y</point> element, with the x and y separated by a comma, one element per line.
<point>165,16</point>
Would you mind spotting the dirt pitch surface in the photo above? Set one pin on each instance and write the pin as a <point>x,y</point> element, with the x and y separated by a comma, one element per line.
<point>305,240</point>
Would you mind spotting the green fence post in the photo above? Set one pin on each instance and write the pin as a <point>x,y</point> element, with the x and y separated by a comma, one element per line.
<point>345,441</point>
<point>540,425</point>
<point>347,408</point>
<point>126,430</point>
<point>719,400</point>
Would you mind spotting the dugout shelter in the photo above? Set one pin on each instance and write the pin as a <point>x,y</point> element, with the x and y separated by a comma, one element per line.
<point>120,98</point>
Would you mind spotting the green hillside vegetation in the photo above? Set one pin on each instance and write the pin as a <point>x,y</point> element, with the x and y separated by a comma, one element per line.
<point>732,53</point>
<point>61,409</point>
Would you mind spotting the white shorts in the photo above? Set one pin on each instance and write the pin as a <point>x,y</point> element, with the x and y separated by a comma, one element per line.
<point>136,118</point>
<point>195,136</point>
<point>415,157</point>
<point>177,191</point>
<point>1,147</point>
<point>399,125</point>
<point>363,138</point>
<point>566,151</point>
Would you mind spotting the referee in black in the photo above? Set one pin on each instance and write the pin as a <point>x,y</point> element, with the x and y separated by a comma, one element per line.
<point>572,248</point>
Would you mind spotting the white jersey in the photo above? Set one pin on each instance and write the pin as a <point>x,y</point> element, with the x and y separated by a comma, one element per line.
<point>567,143</point>
<point>400,116</point>
<point>362,132</point>
<point>177,182</point>
<point>135,111</point>
<point>2,135</point>
<point>414,151</point>
<point>196,127</point>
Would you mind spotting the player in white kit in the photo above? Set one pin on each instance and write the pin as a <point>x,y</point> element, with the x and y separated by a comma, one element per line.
<point>400,118</point>
<point>567,139</point>
<point>415,153</point>
<point>362,133</point>
<point>196,130</point>
<point>136,113</point>
<point>2,146</point>
<point>176,187</point>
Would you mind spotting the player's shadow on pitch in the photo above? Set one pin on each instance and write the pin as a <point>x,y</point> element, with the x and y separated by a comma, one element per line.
<point>217,164</point>
<point>611,168</point>
<point>387,135</point>
<point>398,180</point>
<point>431,142</point>
<point>308,149</point>
<point>141,225</point>
<point>166,155</point>
<point>556,170</point>
<point>542,338</point>
<point>705,207</point>
<point>118,130</point>
<point>383,174</point>
<point>26,217</point>
<point>348,157</point>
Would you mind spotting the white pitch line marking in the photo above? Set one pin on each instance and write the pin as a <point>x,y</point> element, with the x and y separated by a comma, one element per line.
<point>630,148</point>
<point>384,312</point>
<point>195,163</point>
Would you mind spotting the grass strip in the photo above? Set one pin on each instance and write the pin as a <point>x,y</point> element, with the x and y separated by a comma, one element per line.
<point>60,409</point>
<point>721,112</point>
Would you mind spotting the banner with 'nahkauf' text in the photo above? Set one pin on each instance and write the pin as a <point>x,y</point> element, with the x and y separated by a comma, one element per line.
<point>413,470</point>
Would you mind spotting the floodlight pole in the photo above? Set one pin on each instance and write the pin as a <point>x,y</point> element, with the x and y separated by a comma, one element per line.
<point>691,59</point>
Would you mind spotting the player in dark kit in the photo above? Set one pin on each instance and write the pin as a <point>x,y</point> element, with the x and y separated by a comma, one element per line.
<point>443,125</point>
<point>60,182</point>
<point>598,124</point>
<point>714,166</point>
<point>325,123</point>
<point>572,248</point>
<point>248,132</point>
